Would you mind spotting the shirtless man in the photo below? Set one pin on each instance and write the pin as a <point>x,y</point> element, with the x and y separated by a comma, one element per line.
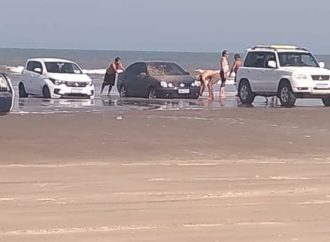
<point>110,75</point>
<point>224,69</point>
<point>210,76</point>
<point>236,65</point>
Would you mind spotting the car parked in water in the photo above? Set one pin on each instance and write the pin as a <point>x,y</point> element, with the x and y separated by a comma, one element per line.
<point>55,78</point>
<point>6,94</point>
<point>157,80</point>
<point>289,72</point>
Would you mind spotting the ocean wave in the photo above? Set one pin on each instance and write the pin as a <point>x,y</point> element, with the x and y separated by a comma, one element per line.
<point>17,70</point>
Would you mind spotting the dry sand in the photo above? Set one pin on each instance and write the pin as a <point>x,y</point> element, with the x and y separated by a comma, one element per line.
<point>231,175</point>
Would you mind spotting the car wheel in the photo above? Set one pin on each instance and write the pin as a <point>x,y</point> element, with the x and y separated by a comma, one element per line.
<point>46,92</point>
<point>21,91</point>
<point>326,101</point>
<point>245,93</point>
<point>286,95</point>
<point>152,93</point>
<point>123,91</point>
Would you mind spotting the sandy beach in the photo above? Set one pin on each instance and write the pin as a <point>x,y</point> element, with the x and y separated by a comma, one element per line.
<point>243,174</point>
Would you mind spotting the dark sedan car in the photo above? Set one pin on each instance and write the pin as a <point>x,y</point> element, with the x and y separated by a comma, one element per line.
<point>157,80</point>
<point>6,94</point>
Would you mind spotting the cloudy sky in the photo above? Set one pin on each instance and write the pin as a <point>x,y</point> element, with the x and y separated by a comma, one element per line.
<point>177,25</point>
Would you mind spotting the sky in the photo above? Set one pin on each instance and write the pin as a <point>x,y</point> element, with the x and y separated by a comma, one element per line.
<point>164,25</point>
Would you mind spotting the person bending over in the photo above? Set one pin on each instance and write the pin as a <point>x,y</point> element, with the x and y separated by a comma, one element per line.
<point>207,76</point>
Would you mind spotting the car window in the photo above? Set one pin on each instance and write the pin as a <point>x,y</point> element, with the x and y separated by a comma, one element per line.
<point>165,69</point>
<point>259,59</point>
<point>270,56</point>
<point>297,59</point>
<point>4,87</point>
<point>63,67</point>
<point>134,70</point>
<point>32,65</point>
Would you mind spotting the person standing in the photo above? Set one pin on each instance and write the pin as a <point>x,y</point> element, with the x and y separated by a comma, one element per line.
<point>110,76</point>
<point>236,65</point>
<point>224,69</point>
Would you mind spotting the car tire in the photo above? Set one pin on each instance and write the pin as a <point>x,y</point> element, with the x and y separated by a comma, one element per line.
<point>286,95</point>
<point>123,91</point>
<point>245,92</point>
<point>326,101</point>
<point>152,93</point>
<point>46,92</point>
<point>21,91</point>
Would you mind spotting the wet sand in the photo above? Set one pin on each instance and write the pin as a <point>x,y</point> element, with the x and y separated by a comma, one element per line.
<point>240,174</point>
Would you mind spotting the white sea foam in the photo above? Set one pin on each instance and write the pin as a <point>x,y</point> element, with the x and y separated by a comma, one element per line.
<point>18,70</point>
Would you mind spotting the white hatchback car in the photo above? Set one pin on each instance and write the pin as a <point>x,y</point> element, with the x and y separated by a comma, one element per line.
<point>288,72</point>
<point>55,78</point>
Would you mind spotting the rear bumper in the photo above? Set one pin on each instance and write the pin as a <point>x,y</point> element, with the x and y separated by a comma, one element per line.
<point>178,93</point>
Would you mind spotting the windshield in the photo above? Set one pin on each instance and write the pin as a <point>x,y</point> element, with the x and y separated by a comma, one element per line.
<point>297,59</point>
<point>165,69</point>
<point>63,67</point>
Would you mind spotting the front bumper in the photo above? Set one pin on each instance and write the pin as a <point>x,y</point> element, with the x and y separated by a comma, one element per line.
<point>60,91</point>
<point>192,92</point>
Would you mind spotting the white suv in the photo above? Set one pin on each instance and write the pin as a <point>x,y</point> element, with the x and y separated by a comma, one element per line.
<point>288,72</point>
<point>55,78</point>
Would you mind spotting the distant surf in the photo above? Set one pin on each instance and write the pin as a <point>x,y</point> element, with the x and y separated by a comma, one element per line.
<point>17,70</point>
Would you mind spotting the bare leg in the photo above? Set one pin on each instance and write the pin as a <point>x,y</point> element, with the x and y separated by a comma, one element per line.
<point>210,88</point>
<point>110,88</point>
<point>202,87</point>
<point>222,92</point>
<point>102,88</point>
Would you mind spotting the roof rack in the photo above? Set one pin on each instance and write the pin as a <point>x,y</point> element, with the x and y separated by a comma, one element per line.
<point>277,47</point>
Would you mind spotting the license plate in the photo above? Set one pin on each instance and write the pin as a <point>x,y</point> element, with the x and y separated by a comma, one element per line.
<point>76,90</point>
<point>184,91</point>
<point>322,86</point>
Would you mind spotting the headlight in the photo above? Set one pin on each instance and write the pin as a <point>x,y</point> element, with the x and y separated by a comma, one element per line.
<point>170,85</point>
<point>56,82</point>
<point>163,84</point>
<point>195,84</point>
<point>90,83</point>
<point>299,76</point>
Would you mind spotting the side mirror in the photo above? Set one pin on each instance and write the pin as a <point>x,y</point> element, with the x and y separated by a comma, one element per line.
<point>143,75</point>
<point>37,70</point>
<point>272,64</point>
<point>322,65</point>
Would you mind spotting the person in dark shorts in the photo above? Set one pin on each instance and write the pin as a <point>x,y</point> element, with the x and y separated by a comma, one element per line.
<point>111,73</point>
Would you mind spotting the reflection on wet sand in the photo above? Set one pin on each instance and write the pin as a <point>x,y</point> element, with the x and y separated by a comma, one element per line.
<point>111,103</point>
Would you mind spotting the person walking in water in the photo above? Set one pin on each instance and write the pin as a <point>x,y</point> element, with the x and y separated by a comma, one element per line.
<point>110,75</point>
<point>207,76</point>
<point>224,69</point>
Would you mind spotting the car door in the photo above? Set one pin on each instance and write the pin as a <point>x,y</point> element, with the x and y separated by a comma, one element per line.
<point>255,61</point>
<point>137,80</point>
<point>127,80</point>
<point>6,94</point>
<point>270,76</point>
<point>37,78</point>
<point>142,80</point>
